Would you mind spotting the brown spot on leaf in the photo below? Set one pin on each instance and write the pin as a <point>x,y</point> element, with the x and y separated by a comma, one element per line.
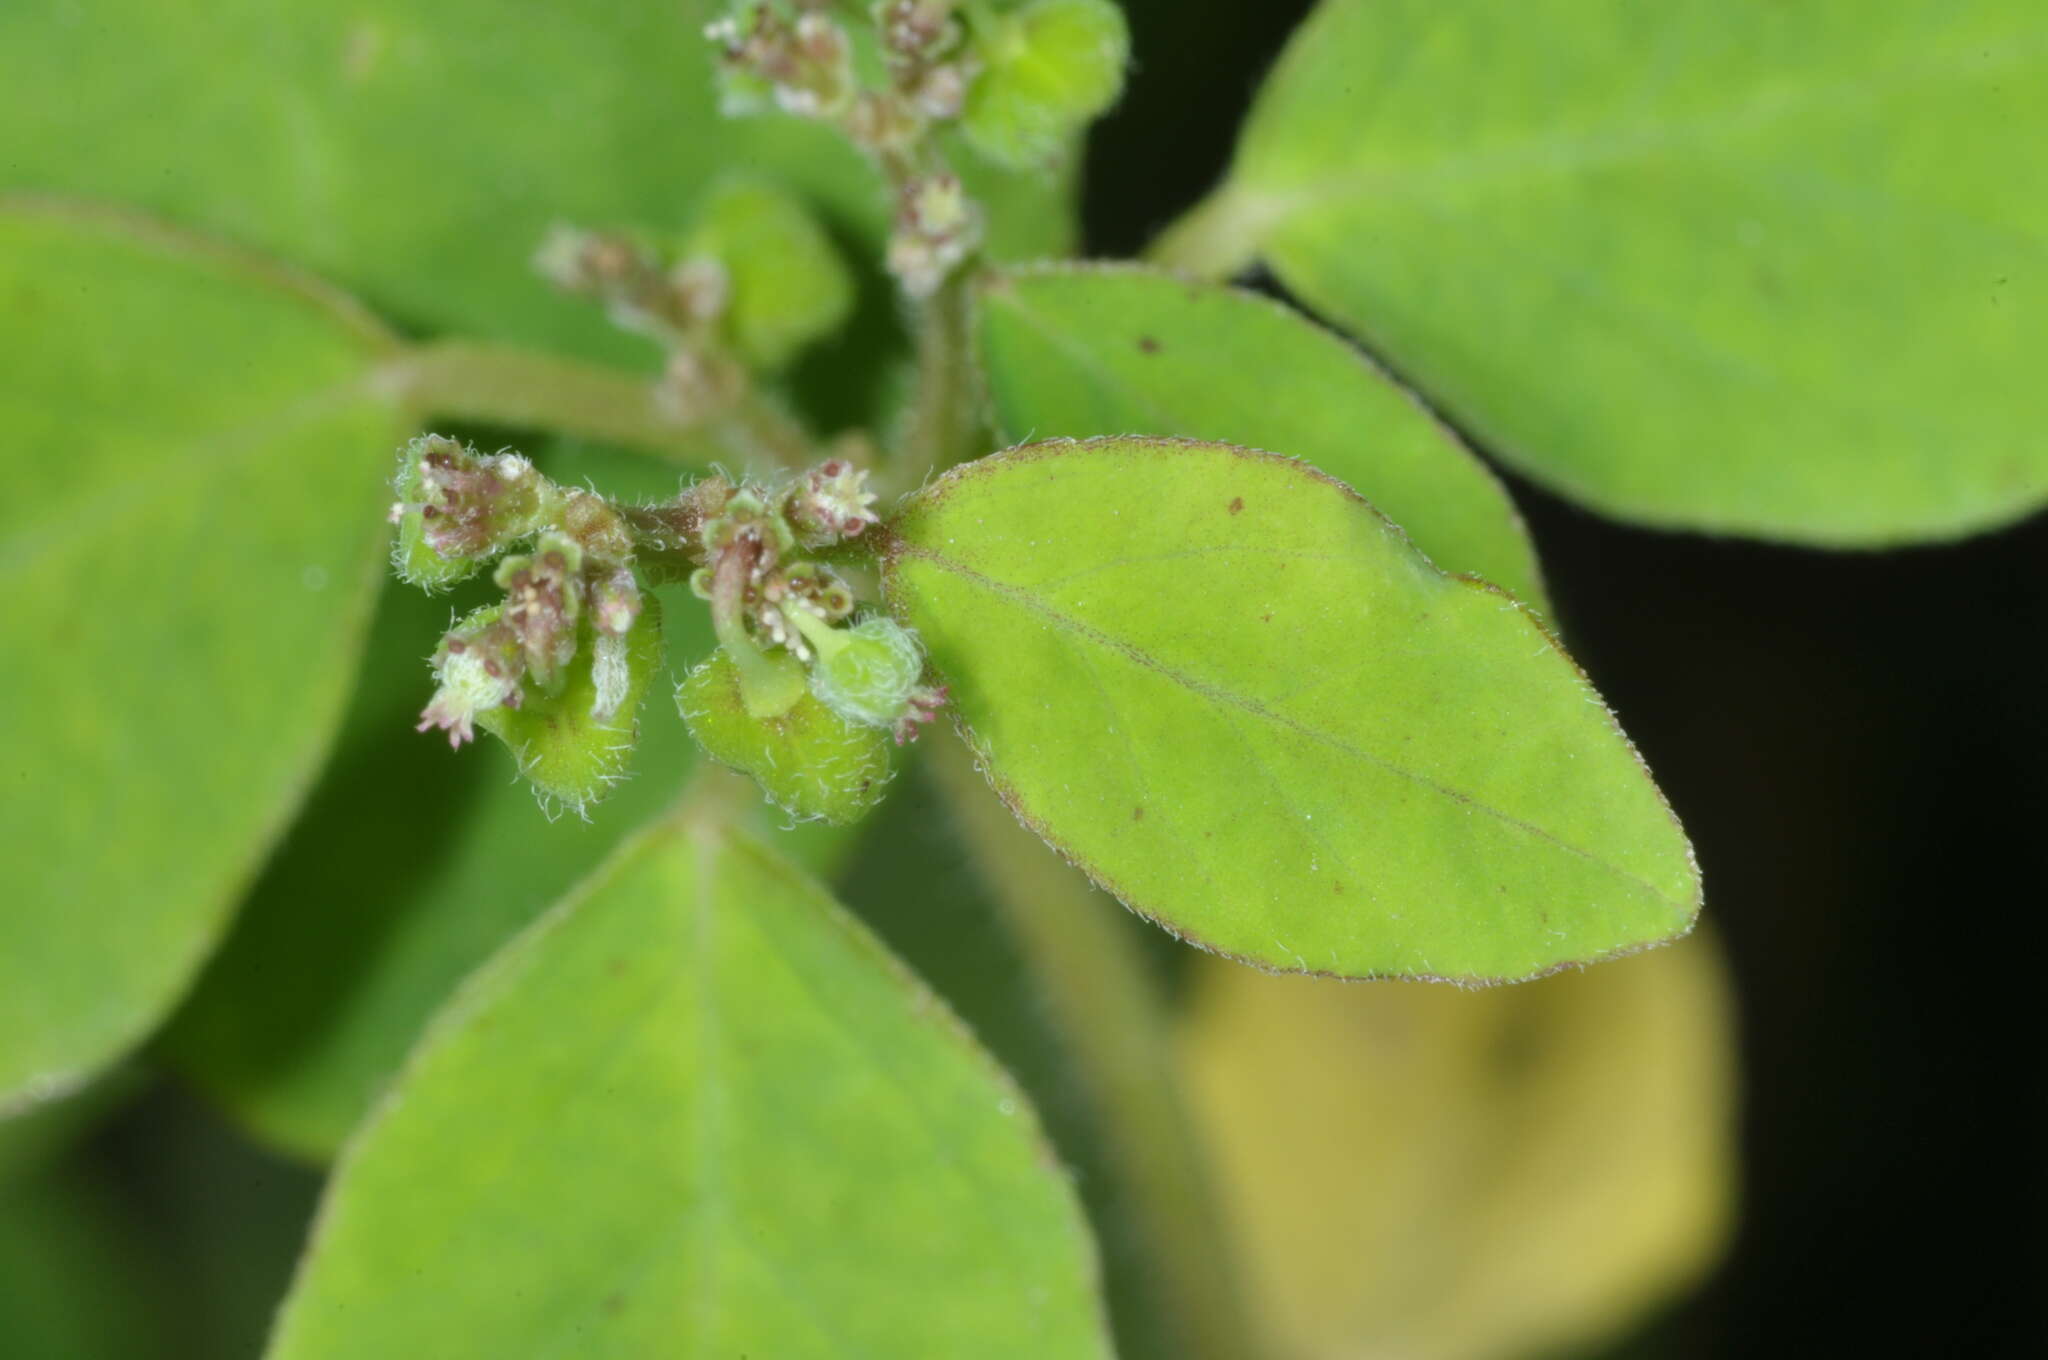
<point>1148,344</point>
<point>1236,505</point>
<point>1137,814</point>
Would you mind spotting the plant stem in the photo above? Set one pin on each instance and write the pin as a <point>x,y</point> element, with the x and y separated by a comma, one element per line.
<point>945,425</point>
<point>1218,238</point>
<point>1112,1017</point>
<point>506,385</point>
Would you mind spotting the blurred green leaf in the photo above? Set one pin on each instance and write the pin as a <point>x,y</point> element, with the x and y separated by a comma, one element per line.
<point>697,1109</point>
<point>1080,350</point>
<point>187,546</point>
<point>417,150</point>
<point>1449,1176</point>
<point>1222,685</point>
<point>1746,267</point>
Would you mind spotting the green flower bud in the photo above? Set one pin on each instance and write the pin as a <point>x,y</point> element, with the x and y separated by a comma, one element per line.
<point>785,283</point>
<point>573,745</point>
<point>457,509</point>
<point>809,761</point>
<point>1047,69</point>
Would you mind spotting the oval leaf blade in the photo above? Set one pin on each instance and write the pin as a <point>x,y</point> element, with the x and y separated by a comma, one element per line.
<point>1073,350</point>
<point>1745,267</point>
<point>1236,696</point>
<point>697,1110</point>
<point>195,464</point>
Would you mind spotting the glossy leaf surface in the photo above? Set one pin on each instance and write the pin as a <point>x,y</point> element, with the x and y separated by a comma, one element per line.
<point>1237,697</point>
<point>697,1110</point>
<point>418,150</point>
<point>188,541</point>
<point>1079,350</point>
<point>1744,267</point>
<point>1445,1176</point>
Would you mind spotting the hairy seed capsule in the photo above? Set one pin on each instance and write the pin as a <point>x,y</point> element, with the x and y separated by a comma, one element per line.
<point>809,761</point>
<point>575,744</point>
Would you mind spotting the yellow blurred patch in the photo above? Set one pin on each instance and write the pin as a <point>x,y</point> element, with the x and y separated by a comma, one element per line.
<point>1419,1172</point>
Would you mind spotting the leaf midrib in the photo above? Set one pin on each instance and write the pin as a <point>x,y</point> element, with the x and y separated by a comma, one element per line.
<point>899,546</point>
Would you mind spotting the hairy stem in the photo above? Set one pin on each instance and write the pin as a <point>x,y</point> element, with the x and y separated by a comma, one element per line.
<point>506,385</point>
<point>1218,238</point>
<point>1112,1018</point>
<point>945,424</point>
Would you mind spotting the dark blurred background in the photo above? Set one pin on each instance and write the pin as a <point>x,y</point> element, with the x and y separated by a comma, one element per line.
<point>1855,743</point>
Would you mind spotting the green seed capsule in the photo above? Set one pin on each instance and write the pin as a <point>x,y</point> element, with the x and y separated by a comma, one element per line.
<point>787,285</point>
<point>573,745</point>
<point>810,762</point>
<point>1048,68</point>
<point>866,673</point>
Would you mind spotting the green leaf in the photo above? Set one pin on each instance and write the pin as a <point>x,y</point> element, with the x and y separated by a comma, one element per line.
<point>1745,267</point>
<point>418,150</point>
<point>1076,350</point>
<point>1221,684</point>
<point>697,1110</point>
<point>788,286</point>
<point>192,527</point>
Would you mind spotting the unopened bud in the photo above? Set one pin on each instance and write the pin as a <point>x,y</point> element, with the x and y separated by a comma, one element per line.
<point>615,602</point>
<point>748,520</point>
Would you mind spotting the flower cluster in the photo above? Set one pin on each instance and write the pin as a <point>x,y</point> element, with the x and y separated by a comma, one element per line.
<point>1018,83</point>
<point>799,60</point>
<point>574,589</point>
<point>558,665</point>
<point>786,620</point>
